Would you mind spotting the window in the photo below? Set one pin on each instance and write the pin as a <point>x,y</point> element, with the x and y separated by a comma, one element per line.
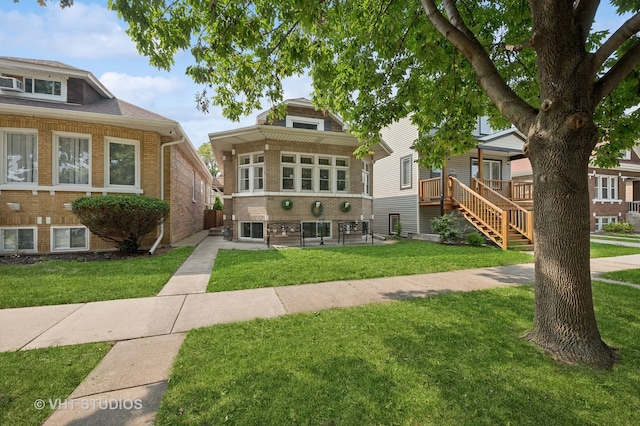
<point>304,122</point>
<point>366,172</point>
<point>491,169</point>
<point>123,164</point>
<point>69,238</point>
<point>251,172</point>
<point>72,162</point>
<point>252,230</point>
<point>394,220</point>
<point>19,156</point>
<point>406,172</point>
<point>316,229</point>
<point>602,221</point>
<point>309,173</point>
<point>45,87</point>
<point>17,239</point>
<point>626,155</point>
<point>606,188</point>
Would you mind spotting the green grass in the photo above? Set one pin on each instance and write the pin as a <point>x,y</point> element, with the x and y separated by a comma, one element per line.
<point>60,282</point>
<point>634,238</point>
<point>237,269</point>
<point>452,359</point>
<point>48,374</point>
<point>627,275</point>
<point>610,250</point>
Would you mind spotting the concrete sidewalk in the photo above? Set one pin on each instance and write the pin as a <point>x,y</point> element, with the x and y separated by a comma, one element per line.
<point>149,331</point>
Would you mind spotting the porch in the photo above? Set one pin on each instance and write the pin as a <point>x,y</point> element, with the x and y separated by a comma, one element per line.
<point>500,209</point>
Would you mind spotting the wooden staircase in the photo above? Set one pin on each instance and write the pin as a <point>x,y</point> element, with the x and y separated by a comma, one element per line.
<point>501,220</point>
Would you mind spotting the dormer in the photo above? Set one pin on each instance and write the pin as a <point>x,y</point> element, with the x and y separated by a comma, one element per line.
<point>301,114</point>
<point>52,81</point>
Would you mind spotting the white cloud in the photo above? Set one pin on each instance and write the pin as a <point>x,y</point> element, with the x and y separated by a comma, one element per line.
<point>83,31</point>
<point>145,91</point>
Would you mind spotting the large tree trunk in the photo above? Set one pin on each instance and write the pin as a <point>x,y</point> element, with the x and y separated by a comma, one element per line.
<point>564,323</point>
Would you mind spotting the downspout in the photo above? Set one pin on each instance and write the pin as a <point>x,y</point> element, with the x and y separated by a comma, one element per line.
<point>162,147</point>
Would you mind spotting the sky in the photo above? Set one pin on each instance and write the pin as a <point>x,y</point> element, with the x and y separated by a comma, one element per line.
<point>91,37</point>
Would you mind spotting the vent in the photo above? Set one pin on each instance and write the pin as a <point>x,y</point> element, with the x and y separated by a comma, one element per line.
<point>11,84</point>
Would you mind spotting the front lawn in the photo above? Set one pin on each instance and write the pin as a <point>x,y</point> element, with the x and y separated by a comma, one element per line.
<point>627,275</point>
<point>59,282</point>
<point>611,250</point>
<point>452,359</point>
<point>32,382</point>
<point>238,269</point>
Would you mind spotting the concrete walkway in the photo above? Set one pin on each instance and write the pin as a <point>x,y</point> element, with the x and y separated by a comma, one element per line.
<point>127,386</point>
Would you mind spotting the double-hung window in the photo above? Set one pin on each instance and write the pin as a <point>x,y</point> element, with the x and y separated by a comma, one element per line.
<point>251,172</point>
<point>366,176</point>
<point>342,174</point>
<point>288,169</point>
<point>606,188</point>
<point>306,173</point>
<point>72,159</point>
<point>19,156</point>
<point>123,165</point>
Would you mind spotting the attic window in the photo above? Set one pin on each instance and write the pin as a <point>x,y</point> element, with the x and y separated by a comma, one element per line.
<point>45,87</point>
<point>307,123</point>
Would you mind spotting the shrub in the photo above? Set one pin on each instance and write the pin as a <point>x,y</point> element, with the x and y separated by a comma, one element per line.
<point>447,227</point>
<point>217,204</point>
<point>475,239</point>
<point>121,219</point>
<point>398,229</point>
<point>619,228</point>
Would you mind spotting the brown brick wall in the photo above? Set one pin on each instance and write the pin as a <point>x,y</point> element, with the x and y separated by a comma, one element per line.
<point>598,208</point>
<point>45,204</point>
<point>187,212</point>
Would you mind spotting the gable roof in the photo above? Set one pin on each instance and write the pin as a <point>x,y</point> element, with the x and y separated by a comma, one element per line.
<point>301,102</point>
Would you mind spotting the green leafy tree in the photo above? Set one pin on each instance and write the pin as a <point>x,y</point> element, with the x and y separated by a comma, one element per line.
<point>121,219</point>
<point>206,153</point>
<point>536,64</point>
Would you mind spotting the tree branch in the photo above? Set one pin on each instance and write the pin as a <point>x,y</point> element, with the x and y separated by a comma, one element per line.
<point>617,73</point>
<point>584,12</point>
<point>508,103</point>
<point>626,30</point>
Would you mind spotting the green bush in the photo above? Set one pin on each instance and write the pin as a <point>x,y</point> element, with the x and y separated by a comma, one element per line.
<point>217,204</point>
<point>447,227</point>
<point>121,219</point>
<point>398,230</point>
<point>619,228</point>
<point>475,239</point>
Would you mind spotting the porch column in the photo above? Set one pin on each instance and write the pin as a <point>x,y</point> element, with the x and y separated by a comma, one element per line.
<point>480,165</point>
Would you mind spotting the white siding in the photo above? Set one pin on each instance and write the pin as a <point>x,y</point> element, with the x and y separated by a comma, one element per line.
<point>400,137</point>
<point>405,206</point>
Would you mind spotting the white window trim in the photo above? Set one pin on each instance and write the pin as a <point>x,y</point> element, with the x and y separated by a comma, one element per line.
<point>290,119</point>
<point>251,238</point>
<point>597,196</point>
<point>4,131</point>
<point>63,88</point>
<point>407,159</point>
<point>598,222</point>
<point>54,154</point>
<point>35,239</point>
<point>251,166</point>
<point>626,154</point>
<point>52,239</point>
<point>107,142</point>
<point>315,166</point>
<point>366,178</point>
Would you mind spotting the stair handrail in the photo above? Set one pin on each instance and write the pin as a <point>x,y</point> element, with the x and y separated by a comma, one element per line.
<point>493,220</point>
<point>520,219</point>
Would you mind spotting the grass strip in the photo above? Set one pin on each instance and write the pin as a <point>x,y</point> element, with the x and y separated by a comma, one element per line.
<point>59,282</point>
<point>237,269</point>
<point>48,374</point>
<point>627,275</point>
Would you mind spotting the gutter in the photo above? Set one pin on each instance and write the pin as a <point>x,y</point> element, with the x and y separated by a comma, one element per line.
<point>162,146</point>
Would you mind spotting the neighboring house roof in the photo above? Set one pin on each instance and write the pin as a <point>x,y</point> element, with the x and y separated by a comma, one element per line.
<point>40,65</point>
<point>107,110</point>
<point>509,140</point>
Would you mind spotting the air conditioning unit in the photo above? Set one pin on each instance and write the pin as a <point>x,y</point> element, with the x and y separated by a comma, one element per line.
<point>11,84</point>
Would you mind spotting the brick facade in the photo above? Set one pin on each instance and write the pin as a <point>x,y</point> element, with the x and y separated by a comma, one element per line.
<point>42,206</point>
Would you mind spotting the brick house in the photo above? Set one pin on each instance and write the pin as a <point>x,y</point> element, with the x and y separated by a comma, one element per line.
<point>614,193</point>
<point>63,135</point>
<point>296,176</point>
